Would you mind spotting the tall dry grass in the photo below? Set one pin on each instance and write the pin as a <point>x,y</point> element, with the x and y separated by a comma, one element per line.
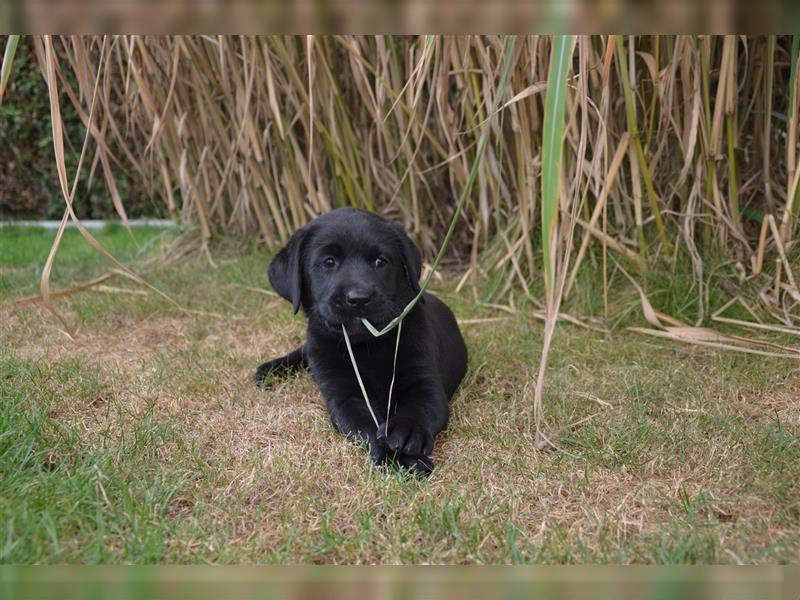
<point>672,142</point>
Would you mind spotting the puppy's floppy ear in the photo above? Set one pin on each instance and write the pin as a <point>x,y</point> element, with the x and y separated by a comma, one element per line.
<point>286,269</point>
<point>412,260</point>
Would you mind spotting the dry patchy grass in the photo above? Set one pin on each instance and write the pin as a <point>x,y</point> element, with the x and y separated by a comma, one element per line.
<point>666,453</point>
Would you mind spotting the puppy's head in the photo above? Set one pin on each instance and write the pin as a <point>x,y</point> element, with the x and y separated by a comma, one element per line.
<point>346,265</point>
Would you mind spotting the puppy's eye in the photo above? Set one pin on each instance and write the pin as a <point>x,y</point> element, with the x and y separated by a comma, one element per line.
<point>381,262</point>
<point>328,262</point>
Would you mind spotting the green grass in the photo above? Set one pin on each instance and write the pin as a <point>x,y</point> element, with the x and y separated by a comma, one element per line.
<point>65,498</point>
<point>25,250</point>
<point>144,440</point>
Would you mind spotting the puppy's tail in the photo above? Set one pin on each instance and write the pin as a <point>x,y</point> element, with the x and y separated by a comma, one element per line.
<point>294,361</point>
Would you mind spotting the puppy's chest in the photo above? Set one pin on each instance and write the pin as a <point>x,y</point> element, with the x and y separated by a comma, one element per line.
<point>375,368</point>
<point>334,373</point>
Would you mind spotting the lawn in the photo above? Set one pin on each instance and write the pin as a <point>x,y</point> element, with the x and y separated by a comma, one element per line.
<point>143,439</point>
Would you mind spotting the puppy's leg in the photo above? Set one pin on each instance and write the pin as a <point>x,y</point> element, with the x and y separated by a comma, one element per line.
<point>295,360</point>
<point>422,412</point>
<point>351,417</point>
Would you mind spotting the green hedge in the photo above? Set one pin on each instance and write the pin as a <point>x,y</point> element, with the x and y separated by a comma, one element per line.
<point>29,185</point>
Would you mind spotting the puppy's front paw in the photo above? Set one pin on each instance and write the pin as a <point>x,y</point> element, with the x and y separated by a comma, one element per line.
<point>407,436</point>
<point>421,466</point>
<point>264,372</point>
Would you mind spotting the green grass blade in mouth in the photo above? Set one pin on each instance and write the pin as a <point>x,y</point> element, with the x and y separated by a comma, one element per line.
<point>508,56</point>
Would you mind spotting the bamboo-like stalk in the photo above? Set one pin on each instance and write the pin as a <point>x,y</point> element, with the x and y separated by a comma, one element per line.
<point>792,192</point>
<point>733,188</point>
<point>769,78</point>
<point>633,129</point>
<point>729,108</point>
<point>8,61</point>
<point>552,152</point>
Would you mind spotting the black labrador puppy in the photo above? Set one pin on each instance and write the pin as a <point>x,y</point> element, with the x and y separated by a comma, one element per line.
<point>347,265</point>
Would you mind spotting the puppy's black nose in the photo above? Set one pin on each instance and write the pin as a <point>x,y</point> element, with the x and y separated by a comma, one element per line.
<point>358,298</point>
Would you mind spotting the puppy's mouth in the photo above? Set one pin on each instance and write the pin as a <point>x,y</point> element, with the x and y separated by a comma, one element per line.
<point>353,324</point>
<point>352,321</point>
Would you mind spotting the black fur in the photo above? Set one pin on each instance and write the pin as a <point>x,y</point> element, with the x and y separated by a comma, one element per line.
<point>349,264</point>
